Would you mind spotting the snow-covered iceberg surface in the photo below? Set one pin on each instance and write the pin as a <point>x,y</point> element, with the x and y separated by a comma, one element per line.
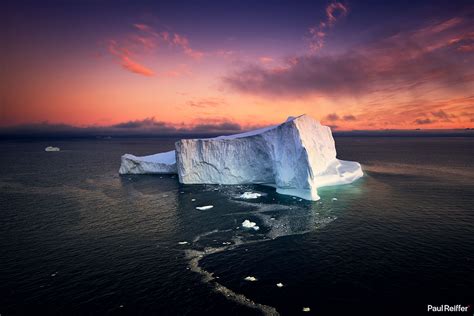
<point>296,157</point>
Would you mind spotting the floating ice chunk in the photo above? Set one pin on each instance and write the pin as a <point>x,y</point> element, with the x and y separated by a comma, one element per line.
<point>279,284</point>
<point>192,200</point>
<point>334,199</point>
<point>250,279</point>
<point>250,195</point>
<point>203,208</point>
<point>249,224</point>
<point>182,243</point>
<point>51,148</point>
<point>306,309</point>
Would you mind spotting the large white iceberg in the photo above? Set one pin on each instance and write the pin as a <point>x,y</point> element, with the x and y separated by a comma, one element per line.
<point>296,157</point>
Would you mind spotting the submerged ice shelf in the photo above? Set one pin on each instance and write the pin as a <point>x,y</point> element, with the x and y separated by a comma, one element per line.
<point>296,157</point>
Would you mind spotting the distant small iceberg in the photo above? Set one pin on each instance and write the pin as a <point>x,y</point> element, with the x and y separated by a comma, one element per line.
<point>51,148</point>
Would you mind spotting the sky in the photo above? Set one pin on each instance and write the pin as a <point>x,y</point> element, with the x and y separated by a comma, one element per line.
<point>226,66</point>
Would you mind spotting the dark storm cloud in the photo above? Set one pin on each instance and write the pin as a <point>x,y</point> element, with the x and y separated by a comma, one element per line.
<point>445,117</point>
<point>332,117</point>
<point>335,117</point>
<point>349,118</point>
<point>224,126</point>
<point>424,121</point>
<point>145,123</point>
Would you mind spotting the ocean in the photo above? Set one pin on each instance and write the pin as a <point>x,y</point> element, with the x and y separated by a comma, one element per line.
<point>78,239</point>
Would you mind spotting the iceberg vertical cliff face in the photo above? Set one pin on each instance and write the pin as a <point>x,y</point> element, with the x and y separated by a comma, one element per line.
<point>296,157</point>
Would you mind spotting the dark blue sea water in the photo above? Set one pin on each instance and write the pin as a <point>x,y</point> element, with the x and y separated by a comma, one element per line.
<point>77,238</point>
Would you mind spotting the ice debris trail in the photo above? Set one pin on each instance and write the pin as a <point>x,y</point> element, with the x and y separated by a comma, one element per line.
<point>289,222</point>
<point>195,256</point>
<point>296,157</point>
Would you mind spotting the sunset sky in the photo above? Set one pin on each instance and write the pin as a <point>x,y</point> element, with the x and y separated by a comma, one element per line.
<point>225,66</point>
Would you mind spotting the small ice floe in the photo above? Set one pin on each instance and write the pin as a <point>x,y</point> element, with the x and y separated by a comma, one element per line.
<point>279,284</point>
<point>51,148</point>
<point>334,199</point>
<point>203,208</point>
<point>249,224</point>
<point>54,274</point>
<point>226,243</point>
<point>182,243</point>
<point>250,278</point>
<point>299,200</point>
<point>121,306</point>
<point>193,200</point>
<point>306,309</point>
<point>294,198</point>
<point>182,192</point>
<point>250,195</point>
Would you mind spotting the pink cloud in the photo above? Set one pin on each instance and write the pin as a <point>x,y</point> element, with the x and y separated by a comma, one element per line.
<point>266,59</point>
<point>135,67</point>
<point>183,42</point>
<point>123,54</point>
<point>146,40</point>
<point>334,11</point>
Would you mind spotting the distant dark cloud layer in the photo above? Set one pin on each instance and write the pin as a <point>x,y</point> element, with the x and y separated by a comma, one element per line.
<point>147,126</point>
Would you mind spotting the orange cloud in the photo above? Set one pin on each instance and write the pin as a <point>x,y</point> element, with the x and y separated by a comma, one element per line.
<point>123,54</point>
<point>135,67</point>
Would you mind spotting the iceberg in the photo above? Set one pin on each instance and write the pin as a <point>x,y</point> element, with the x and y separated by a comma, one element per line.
<point>296,157</point>
<point>162,163</point>
<point>51,148</point>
